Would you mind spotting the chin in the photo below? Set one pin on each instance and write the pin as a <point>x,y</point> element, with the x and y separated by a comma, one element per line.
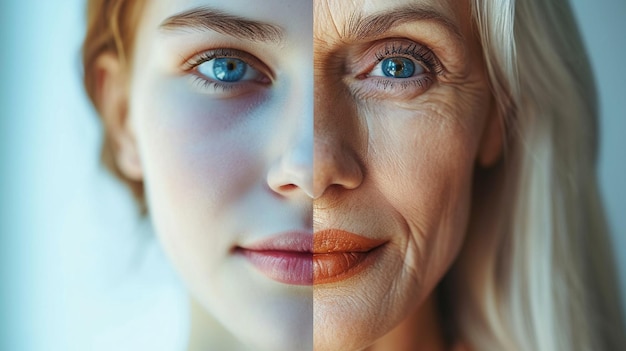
<point>264,314</point>
<point>276,328</point>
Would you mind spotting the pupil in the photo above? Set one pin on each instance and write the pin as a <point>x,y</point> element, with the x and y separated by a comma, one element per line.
<point>231,66</point>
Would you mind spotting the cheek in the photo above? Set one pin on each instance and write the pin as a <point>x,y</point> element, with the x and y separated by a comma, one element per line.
<point>202,160</point>
<point>192,145</point>
<point>422,162</point>
<point>419,157</point>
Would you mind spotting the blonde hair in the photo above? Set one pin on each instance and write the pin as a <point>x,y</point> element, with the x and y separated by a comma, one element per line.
<point>544,276</point>
<point>111,28</point>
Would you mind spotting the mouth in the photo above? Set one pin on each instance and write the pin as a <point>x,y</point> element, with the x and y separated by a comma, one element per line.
<point>286,258</point>
<point>339,255</point>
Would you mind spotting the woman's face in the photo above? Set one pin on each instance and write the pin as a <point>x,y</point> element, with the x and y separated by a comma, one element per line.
<point>221,112</point>
<point>402,116</point>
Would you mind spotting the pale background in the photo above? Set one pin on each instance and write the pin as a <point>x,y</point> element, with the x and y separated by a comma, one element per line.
<point>78,270</point>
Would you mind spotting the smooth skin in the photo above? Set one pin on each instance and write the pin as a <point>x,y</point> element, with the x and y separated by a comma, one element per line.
<point>224,163</point>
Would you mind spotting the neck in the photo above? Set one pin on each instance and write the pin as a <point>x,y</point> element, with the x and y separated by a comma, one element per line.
<point>207,333</point>
<point>420,330</point>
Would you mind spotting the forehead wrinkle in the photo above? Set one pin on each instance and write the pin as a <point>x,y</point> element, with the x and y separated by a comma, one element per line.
<point>324,21</point>
<point>377,24</point>
<point>206,18</point>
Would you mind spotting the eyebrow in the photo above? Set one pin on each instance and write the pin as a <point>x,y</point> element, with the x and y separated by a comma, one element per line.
<point>215,20</point>
<point>379,23</point>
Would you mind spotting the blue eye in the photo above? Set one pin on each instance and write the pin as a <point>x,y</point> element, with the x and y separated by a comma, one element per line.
<point>397,67</point>
<point>226,69</point>
<point>229,69</point>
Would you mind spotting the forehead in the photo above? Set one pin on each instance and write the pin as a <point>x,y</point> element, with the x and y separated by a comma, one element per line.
<point>339,17</point>
<point>294,16</point>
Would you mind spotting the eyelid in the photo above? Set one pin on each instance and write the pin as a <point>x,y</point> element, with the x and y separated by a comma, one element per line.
<point>399,47</point>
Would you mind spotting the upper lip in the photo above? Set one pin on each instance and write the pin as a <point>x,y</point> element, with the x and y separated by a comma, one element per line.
<point>340,241</point>
<point>295,241</point>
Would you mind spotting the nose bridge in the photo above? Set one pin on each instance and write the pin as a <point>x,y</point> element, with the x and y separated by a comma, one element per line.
<point>336,135</point>
<point>299,103</point>
<point>301,107</point>
<point>299,156</point>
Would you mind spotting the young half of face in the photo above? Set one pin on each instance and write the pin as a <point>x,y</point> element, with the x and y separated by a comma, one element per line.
<point>215,115</point>
<point>403,116</point>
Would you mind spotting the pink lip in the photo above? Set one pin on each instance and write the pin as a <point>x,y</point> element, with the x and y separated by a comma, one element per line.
<point>287,258</point>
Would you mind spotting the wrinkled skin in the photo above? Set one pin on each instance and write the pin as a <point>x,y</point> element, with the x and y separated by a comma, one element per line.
<point>394,160</point>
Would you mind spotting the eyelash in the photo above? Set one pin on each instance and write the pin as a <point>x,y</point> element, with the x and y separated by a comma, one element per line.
<point>203,82</point>
<point>380,87</point>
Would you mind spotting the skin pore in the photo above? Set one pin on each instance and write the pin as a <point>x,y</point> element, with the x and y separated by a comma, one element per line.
<point>215,116</point>
<point>403,115</point>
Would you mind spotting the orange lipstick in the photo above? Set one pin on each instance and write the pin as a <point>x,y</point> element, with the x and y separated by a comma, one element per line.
<point>339,255</point>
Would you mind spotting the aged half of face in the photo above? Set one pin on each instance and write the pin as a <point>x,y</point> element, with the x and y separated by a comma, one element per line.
<point>216,117</point>
<point>403,114</point>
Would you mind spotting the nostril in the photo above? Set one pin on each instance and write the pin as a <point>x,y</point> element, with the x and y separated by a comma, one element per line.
<point>291,175</point>
<point>288,187</point>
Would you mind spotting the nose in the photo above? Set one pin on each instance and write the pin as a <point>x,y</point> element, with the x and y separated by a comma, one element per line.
<point>293,172</point>
<point>334,165</point>
<point>291,175</point>
<point>337,140</point>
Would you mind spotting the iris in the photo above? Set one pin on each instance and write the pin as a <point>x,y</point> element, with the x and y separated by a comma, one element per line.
<point>228,69</point>
<point>398,67</point>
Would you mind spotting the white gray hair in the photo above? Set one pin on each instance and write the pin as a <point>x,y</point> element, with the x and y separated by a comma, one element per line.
<point>543,276</point>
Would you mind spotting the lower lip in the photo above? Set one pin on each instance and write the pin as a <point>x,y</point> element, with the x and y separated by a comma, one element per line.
<point>289,267</point>
<point>342,255</point>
